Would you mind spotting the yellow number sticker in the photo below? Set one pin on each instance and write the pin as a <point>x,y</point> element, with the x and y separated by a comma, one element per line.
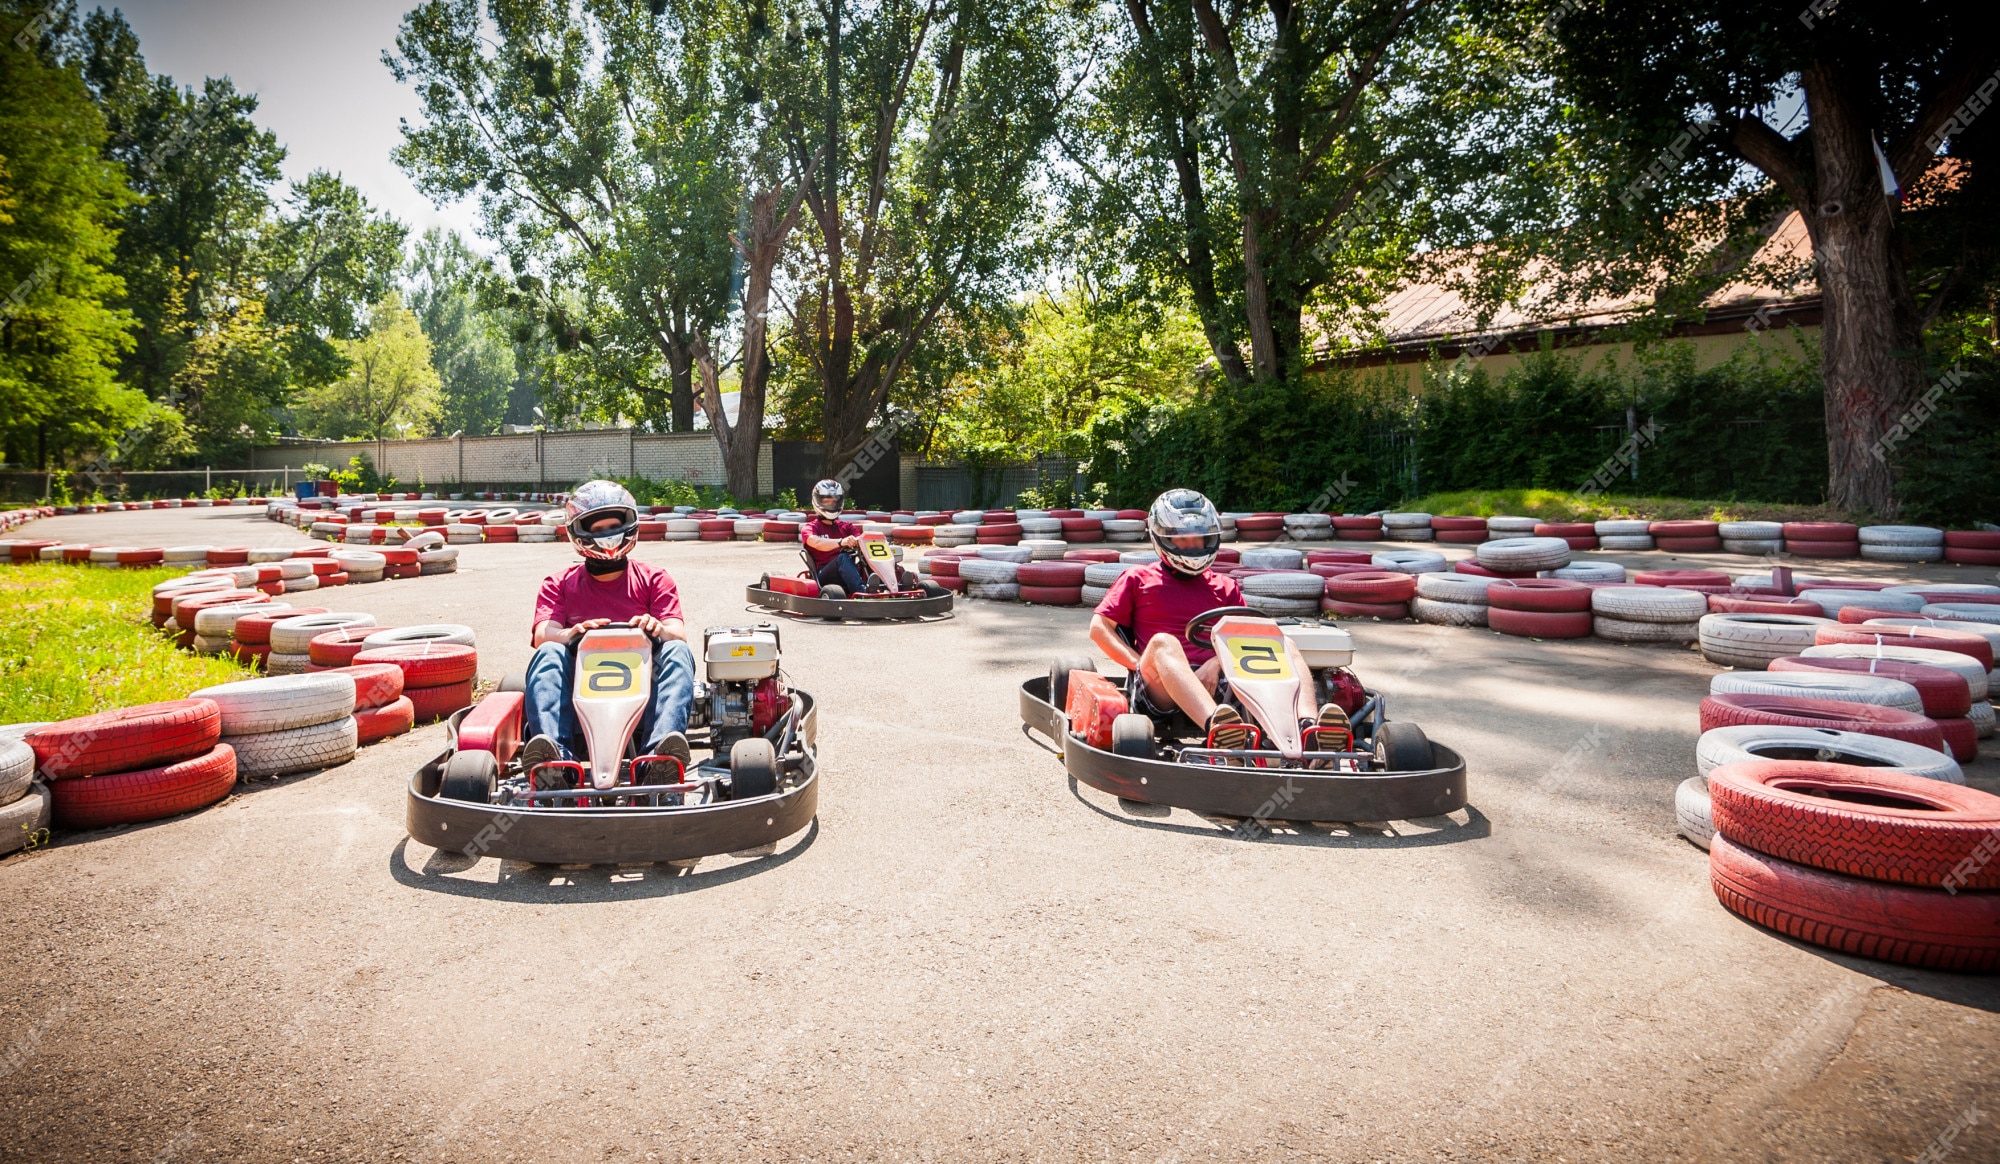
<point>878,550</point>
<point>610,674</point>
<point>1258,658</point>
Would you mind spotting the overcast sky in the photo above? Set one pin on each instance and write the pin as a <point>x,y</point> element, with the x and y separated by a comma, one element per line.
<point>317,71</point>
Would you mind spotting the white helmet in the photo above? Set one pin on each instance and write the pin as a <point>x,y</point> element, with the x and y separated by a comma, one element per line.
<point>592,502</point>
<point>1185,529</point>
<point>827,498</point>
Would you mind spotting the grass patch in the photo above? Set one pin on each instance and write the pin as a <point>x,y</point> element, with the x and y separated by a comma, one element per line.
<point>78,639</point>
<point>1554,505</point>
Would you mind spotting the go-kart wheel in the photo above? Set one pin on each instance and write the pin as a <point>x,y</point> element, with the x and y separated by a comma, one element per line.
<point>1059,669</point>
<point>1403,747</point>
<point>1132,735</point>
<point>753,769</point>
<point>834,593</point>
<point>469,776</point>
<point>764,582</point>
<point>515,681</point>
<point>933,590</point>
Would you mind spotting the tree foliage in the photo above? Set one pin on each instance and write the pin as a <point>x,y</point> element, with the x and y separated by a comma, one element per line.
<point>391,387</point>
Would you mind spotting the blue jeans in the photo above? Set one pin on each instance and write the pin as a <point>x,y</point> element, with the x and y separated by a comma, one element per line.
<point>842,572</point>
<point>548,711</point>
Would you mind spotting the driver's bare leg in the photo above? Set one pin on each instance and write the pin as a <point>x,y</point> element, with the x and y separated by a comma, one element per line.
<point>1308,700</point>
<point>1169,674</point>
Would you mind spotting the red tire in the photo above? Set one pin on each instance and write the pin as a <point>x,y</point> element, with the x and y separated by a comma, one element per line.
<point>1972,557</point>
<point>1459,524</point>
<point>375,684</point>
<point>1723,604</point>
<point>1052,595</point>
<point>1788,711</point>
<point>1372,588</point>
<point>1944,693</point>
<point>431,703</point>
<point>1874,919</point>
<point>1072,525</point>
<point>398,555</point>
<point>229,555</point>
<point>1856,615</point>
<point>1261,523</point>
<point>944,567</point>
<point>1821,531</point>
<point>1565,529</point>
<point>255,629</point>
<point>374,724</point>
<point>337,648</point>
<point>1324,557</point>
<point>1359,535</point>
<point>1972,646</point>
<point>1685,529</point>
<point>1540,624</point>
<point>998,529</point>
<point>147,557</point>
<point>1396,610</point>
<point>1970,539</point>
<point>127,739</point>
<point>1460,537</point>
<point>321,567</point>
<point>1065,575</point>
<point>187,608</point>
<point>1468,566</point>
<point>1688,545</point>
<point>1348,521</point>
<point>1540,596</point>
<point>503,533</point>
<point>955,585</point>
<point>1954,596</point>
<point>718,525</point>
<point>337,578</point>
<point>1681,578</point>
<point>251,654</point>
<point>1823,549</point>
<point>425,664</point>
<point>1078,537</point>
<point>1961,738</point>
<point>95,802</point>
<point>1260,535</point>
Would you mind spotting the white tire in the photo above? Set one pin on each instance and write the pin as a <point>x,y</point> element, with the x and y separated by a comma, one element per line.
<point>1036,525</point>
<point>1623,527</point>
<point>1042,550</point>
<point>218,622</point>
<point>291,636</point>
<point>1468,589</point>
<point>1145,557</point>
<point>204,645</point>
<point>994,591</point>
<point>1409,561</point>
<point>1902,553</point>
<point>1293,607</point>
<point>182,555</point>
<point>1439,613</point>
<point>1409,533</point>
<point>1511,526</point>
<point>1964,666</point>
<point>1312,521</point>
<point>1523,554</point>
<point>1948,587</point>
<point>434,554</point>
<point>1691,811</point>
<point>1962,612</point>
<point>27,816</point>
<point>1620,630</point>
<point>1286,585</point>
<point>1272,558</point>
<point>1834,601</point>
<point>17,769</point>
<point>1014,554</point>
<point>1843,688</point>
<point>296,585</point>
<point>1406,521</point>
<point>1649,604</point>
<point>1092,595</point>
<point>265,555</point>
<point>1761,531</point>
<point>544,533</point>
<point>1103,574</point>
<point>1124,525</point>
<point>1900,535</point>
<point>1589,572</point>
<point>432,632</point>
<point>1624,542</point>
<point>1124,538</point>
<point>278,664</point>
<point>1754,547</point>
<point>256,706</point>
<point>300,749</point>
<point>1753,640</point>
<point>428,539</point>
<point>1982,718</point>
<point>987,571</point>
<point>1740,745</point>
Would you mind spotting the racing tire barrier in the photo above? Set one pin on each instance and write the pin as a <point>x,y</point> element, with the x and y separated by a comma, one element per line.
<point>1972,646</point>
<point>1540,624</point>
<point>435,703</point>
<point>425,664</point>
<point>279,703</point>
<point>1939,692</point>
<point>25,818</point>
<point>301,749</point>
<point>1872,689</point>
<point>1789,711</point>
<point>1753,641</point>
<point>17,770</point>
<point>1752,743</point>
<point>435,632</point>
<point>1692,816</point>
<point>375,684</point>
<point>295,636</point>
<point>1873,919</point>
<point>144,794</point>
<point>126,739</point>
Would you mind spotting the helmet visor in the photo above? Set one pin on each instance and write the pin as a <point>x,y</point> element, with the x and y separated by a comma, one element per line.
<point>1189,552</point>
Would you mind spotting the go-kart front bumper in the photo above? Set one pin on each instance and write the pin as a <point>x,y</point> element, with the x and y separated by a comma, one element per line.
<point>850,609</point>
<point>1252,792</point>
<point>608,836</point>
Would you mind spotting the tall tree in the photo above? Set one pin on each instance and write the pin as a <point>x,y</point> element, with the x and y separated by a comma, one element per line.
<point>326,258</point>
<point>469,345</point>
<point>1679,101</point>
<point>391,387</point>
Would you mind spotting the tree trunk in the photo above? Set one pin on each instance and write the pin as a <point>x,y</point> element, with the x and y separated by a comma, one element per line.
<point>1870,340</point>
<point>682,401</point>
<point>737,442</point>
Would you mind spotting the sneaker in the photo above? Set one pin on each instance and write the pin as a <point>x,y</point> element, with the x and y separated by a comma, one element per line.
<point>1336,734</point>
<point>540,750</point>
<point>1227,731</point>
<point>676,745</point>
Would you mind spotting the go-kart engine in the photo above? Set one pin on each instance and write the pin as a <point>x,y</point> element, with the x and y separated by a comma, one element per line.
<point>743,692</point>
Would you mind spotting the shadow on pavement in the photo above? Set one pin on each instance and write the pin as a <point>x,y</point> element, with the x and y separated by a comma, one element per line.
<point>562,885</point>
<point>1977,991</point>
<point>1438,830</point>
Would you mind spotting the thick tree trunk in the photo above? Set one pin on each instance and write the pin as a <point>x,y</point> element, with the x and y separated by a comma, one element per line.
<point>681,403</point>
<point>738,442</point>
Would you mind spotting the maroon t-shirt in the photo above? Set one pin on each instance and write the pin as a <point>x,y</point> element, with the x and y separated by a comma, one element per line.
<point>1153,600</point>
<point>573,596</point>
<point>821,527</point>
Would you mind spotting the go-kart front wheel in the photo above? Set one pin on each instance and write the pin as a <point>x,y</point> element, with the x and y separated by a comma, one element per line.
<point>1132,735</point>
<point>515,681</point>
<point>1402,747</point>
<point>753,769</point>
<point>1059,669</point>
<point>469,776</point>
<point>833,593</point>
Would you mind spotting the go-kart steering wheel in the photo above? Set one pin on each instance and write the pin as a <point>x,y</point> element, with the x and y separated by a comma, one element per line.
<point>1200,625</point>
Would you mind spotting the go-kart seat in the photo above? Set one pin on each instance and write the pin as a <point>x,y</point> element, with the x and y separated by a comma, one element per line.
<point>1173,723</point>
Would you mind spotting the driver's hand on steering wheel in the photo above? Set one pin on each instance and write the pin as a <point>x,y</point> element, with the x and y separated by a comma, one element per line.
<point>851,542</point>
<point>654,629</point>
<point>589,624</point>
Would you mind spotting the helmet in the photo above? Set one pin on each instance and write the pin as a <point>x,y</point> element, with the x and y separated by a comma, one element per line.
<point>592,502</point>
<point>1185,529</point>
<point>827,497</point>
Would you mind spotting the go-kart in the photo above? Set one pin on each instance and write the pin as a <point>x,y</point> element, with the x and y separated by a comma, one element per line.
<point>756,788</point>
<point>1116,743</point>
<point>890,592</point>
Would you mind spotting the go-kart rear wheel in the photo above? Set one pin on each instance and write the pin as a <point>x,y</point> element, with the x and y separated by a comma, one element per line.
<point>753,769</point>
<point>469,776</point>
<point>515,681</point>
<point>1132,735</point>
<point>1059,669</point>
<point>1403,747</point>
<point>933,590</point>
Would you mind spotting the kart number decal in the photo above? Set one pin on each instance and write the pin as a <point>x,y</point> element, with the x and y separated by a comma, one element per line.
<point>609,674</point>
<point>1258,659</point>
<point>878,550</point>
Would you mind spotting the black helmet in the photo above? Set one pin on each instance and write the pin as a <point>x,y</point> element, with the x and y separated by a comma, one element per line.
<point>827,497</point>
<point>1185,529</point>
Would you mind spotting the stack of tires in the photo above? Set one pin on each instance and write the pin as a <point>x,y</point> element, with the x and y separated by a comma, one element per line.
<point>1687,537</point>
<point>1127,528</point>
<point>215,626</point>
<point>1291,592</point>
<point>1900,543</point>
<point>1461,531</point>
<point>1647,614</point>
<point>1964,655</point>
<point>942,568</point>
<point>1407,527</point>
<point>995,578</point>
<point>1822,539</point>
<point>1369,594</point>
<point>1051,583</point>
<point>1624,534</point>
<point>250,636</point>
<point>1451,599</point>
<point>134,764</point>
<point>1577,535</point>
<point>291,639</point>
<point>1081,529</point>
<point>1350,527</point>
<point>439,662</point>
<point>1308,527</point>
<point>1518,556</point>
<point>286,723</point>
<point>1864,860</point>
<point>1260,527</point>
<point>1539,608</point>
<point>953,534</point>
<point>1969,547</point>
<point>24,802</point>
<point>1097,580</point>
<point>1754,641</point>
<point>1751,537</point>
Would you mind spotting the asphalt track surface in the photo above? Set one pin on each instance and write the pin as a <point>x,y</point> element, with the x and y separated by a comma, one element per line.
<point>967,958</point>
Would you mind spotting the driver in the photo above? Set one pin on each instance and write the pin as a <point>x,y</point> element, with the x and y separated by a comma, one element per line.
<point>1154,603</point>
<point>606,587</point>
<point>828,539</point>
